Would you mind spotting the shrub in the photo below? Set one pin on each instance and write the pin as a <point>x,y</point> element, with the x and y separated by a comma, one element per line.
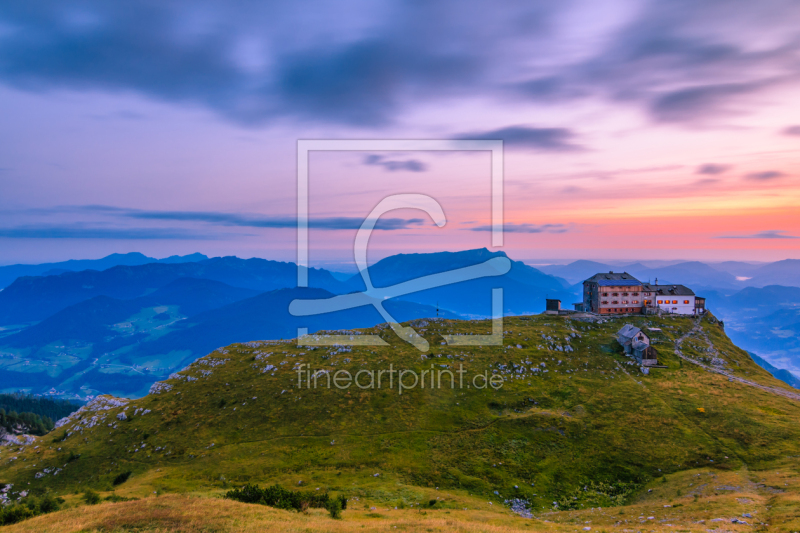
<point>277,496</point>
<point>598,494</point>
<point>29,508</point>
<point>15,513</point>
<point>49,504</point>
<point>334,507</point>
<point>91,497</point>
<point>121,478</point>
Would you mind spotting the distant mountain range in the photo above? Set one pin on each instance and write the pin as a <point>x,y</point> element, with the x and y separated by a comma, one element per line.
<point>119,329</point>
<point>11,272</point>
<point>103,318</point>
<point>780,373</point>
<point>726,275</point>
<point>691,273</point>
<point>111,345</point>
<point>524,288</point>
<point>786,272</point>
<point>119,323</point>
<point>31,299</point>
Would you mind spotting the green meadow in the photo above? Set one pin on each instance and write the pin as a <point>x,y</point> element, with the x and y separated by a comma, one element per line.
<point>573,429</point>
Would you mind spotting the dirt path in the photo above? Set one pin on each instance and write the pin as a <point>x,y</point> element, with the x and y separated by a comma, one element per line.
<point>698,331</point>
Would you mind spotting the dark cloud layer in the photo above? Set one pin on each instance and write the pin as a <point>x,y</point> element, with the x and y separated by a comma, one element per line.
<point>393,165</point>
<point>684,61</point>
<point>46,231</point>
<point>353,63</point>
<point>524,137</point>
<point>527,228</point>
<point>343,62</point>
<point>767,175</point>
<point>693,103</point>
<point>252,221</point>
<point>769,234</point>
<point>712,169</point>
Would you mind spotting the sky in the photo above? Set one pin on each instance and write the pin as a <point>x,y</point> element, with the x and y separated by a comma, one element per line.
<point>631,130</point>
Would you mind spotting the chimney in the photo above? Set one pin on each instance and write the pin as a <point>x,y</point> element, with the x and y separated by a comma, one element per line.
<point>656,282</point>
<point>610,271</point>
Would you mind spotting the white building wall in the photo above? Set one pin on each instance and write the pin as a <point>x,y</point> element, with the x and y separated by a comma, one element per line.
<point>681,308</point>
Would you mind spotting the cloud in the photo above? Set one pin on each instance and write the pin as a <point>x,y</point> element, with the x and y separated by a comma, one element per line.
<point>353,63</point>
<point>682,61</point>
<point>706,181</point>
<point>766,175</point>
<point>365,83</point>
<point>769,234</point>
<point>712,169</point>
<point>792,130</point>
<point>527,228</point>
<point>253,221</point>
<point>697,103</point>
<point>410,165</point>
<point>347,63</point>
<point>525,137</point>
<point>81,232</point>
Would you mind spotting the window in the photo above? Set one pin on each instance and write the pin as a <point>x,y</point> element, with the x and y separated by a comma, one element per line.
<point>686,301</point>
<point>604,302</point>
<point>634,294</point>
<point>636,301</point>
<point>615,294</point>
<point>615,302</point>
<point>674,301</point>
<point>624,293</point>
<point>624,301</point>
<point>605,294</point>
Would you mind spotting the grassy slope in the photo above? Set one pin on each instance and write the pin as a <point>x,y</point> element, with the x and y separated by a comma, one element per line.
<point>547,435</point>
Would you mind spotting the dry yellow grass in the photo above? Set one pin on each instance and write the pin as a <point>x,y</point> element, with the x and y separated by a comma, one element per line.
<point>696,500</point>
<point>191,514</point>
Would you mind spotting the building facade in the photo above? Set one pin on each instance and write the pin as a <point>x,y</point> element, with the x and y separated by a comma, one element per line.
<point>615,293</point>
<point>619,293</point>
<point>673,299</point>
